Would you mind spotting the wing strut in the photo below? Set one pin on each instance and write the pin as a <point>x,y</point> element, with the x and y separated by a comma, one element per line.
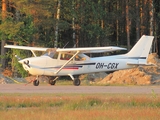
<point>66,63</point>
<point>33,53</point>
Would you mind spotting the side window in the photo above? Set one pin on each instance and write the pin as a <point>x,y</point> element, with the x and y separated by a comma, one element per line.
<point>55,56</point>
<point>65,56</point>
<point>79,58</point>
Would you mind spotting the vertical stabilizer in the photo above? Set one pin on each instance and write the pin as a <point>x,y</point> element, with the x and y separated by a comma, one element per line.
<point>141,49</point>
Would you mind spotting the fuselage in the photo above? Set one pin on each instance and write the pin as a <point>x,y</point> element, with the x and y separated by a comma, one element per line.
<point>45,65</point>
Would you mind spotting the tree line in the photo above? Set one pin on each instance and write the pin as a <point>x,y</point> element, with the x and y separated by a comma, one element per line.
<point>80,23</point>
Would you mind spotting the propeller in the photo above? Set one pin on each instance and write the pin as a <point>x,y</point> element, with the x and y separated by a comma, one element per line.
<point>26,63</point>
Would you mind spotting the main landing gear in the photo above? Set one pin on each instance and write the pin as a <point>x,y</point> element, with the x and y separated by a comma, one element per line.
<point>76,80</point>
<point>52,80</point>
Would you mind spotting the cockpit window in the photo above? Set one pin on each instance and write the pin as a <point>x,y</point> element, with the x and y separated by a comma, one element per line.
<point>51,53</point>
<point>79,58</point>
<point>55,56</point>
<point>65,56</point>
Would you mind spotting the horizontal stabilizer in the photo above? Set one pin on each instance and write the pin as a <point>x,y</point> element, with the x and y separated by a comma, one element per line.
<point>148,64</point>
<point>132,63</point>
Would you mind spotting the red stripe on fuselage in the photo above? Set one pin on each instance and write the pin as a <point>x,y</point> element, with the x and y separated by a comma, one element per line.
<point>70,68</point>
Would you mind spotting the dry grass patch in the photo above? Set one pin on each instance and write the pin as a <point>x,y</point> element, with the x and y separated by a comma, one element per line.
<point>77,106</point>
<point>50,114</point>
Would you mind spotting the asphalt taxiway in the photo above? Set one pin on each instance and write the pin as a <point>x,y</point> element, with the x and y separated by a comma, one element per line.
<point>21,88</point>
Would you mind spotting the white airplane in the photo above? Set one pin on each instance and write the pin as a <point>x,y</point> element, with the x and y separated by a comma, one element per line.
<point>73,62</point>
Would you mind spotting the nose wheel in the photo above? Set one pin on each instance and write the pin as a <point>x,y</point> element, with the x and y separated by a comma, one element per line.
<point>36,82</point>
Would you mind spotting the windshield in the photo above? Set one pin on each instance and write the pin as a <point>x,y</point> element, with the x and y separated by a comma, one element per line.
<point>51,53</point>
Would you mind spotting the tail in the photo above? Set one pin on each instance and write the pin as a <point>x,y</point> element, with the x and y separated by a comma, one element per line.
<point>140,50</point>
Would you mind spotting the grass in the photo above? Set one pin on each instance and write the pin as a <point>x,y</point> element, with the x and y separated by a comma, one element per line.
<point>79,106</point>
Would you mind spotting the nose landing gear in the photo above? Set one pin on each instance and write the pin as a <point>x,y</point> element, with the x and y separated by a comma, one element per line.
<point>35,81</point>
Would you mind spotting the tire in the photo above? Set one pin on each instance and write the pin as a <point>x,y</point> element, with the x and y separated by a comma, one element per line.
<point>36,82</point>
<point>51,82</point>
<point>76,82</point>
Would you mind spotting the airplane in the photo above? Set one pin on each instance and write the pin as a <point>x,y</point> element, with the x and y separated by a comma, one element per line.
<point>56,62</point>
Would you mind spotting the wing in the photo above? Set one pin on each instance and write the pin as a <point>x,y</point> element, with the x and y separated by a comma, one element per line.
<point>26,48</point>
<point>81,50</point>
<point>91,49</point>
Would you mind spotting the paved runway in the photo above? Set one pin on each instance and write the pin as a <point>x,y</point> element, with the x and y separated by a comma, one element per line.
<point>21,88</point>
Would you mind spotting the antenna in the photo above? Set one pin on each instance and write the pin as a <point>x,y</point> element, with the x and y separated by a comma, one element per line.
<point>74,46</point>
<point>66,44</point>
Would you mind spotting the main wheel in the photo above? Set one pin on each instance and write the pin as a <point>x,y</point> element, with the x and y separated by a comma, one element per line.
<point>36,82</point>
<point>76,82</point>
<point>51,82</point>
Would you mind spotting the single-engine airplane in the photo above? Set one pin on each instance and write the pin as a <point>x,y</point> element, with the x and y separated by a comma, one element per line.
<point>74,62</point>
